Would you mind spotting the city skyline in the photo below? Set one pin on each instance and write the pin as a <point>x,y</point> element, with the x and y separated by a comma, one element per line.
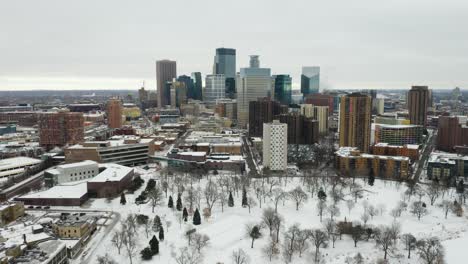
<point>117,48</point>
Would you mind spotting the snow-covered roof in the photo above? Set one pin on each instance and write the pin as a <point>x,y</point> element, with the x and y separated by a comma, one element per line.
<point>60,192</point>
<point>17,162</point>
<point>113,172</point>
<point>77,164</point>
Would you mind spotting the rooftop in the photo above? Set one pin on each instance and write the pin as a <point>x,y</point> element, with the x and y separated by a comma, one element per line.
<point>113,172</point>
<point>75,191</point>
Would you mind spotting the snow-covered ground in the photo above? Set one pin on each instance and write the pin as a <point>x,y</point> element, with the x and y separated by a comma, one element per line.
<point>226,230</point>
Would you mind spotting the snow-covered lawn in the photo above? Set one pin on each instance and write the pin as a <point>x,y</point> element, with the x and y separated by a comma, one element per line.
<point>226,230</point>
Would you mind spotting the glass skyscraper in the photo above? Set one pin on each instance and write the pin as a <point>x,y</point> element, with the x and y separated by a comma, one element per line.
<point>189,85</point>
<point>197,89</point>
<point>283,88</point>
<point>225,63</point>
<point>310,80</point>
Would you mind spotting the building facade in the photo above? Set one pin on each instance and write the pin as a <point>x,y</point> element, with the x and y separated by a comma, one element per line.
<point>252,83</point>
<point>189,85</point>
<point>197,86</point>
<point>319,113</point>
<point>282,88</point>
<point>178,94</point>
<point>398,135</point>
<point>215,88</point>
<point>417,101</point>
<point>355,121</point>
<point>225,63</point>
<point>114,113</point>
<point>452,133</point>
<point>261,111</point>
<point>301,130</point>
<point>447,167</point>
<point>310,80</point>
<point>60,129</point>
<point>322,100</point>
<point>275,146</point>
<point>166,71</point>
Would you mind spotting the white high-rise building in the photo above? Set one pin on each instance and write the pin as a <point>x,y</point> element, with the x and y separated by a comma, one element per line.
<point>319,113</point>
<point>215,88</point>
<point>275,145</point>
<point>252,83</point>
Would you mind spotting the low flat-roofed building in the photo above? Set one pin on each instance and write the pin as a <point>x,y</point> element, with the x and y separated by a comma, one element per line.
<point>71,172</point>
<point>410,151</point>
<point>350,161</point>
<point>16,166</point>
<point>111,181</point>
<point>60,195</point>
<point>48,252</point>
<point>447,166</point>
<point>10,211</point>
<point>72,226</point>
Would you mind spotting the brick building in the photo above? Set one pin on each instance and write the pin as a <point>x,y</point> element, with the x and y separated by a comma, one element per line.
<point>60,129</point>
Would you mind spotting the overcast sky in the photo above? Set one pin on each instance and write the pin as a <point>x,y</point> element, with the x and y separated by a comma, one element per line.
<point>114,44</point>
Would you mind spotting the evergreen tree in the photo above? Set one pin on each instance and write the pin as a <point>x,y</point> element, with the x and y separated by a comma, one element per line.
<point>146,254</point>
<point>179,202</point>
<point>123,201</point>
<point>154,245</point>
<point>244,197</point>
<point>185,214</point>
<point>230,200</point>
<point>322,195</point>
<point>371,178</point>
<point>161,234</point>
<point>196,217</point>
<point>157,223</point>
<point>170,204</point>
<point>461,186</point>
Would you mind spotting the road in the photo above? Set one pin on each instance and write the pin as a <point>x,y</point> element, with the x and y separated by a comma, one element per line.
<point>429,147</point>
<point>246,149</point>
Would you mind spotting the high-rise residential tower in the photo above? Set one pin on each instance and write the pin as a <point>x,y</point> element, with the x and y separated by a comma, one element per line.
<point>197,82</point>
<point>215,88</point>
<point>263,111</point>
<point>114,113</point>
<point>225,63</point>
<point>319,113</point>
<point>310,80</point>
<point>275,145</point>
<point>355,121</point>
<point>251,83</point>
<point>60,129</point>
<point>417,101</point>
<point>166,71</point>
<point>283,92</point>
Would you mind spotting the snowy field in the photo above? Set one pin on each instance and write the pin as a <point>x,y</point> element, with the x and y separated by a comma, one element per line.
<point>227,230</point>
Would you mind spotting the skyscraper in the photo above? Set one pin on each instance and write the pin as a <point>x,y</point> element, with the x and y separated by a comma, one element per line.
<point>301,130</point>
<point>275,145</point>
<point>252,83</point>
<point>319,113</point>
<point>166,70</point>
<point>310,80</point>
<point>225,63</point>
<point>189,85</point>
<point>114,113</point>
<point>178,94</point>
<point>355,121</point>
<point>197,90</point>
<point>215,88</point>
<point>283,88</point>
<point>417,101</point>
<point>263,111</point>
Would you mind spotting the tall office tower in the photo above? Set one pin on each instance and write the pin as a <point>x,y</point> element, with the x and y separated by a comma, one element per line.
<point>310,80</point>
<point>263,111</point>
<point>319,113</point>
<point>251,83</point>
<point>114,113</point>
<point>197,90</point>
<point>178,94</point>
<point>58,129</point>
<point>166,71</point>
<point>301,130</point>
<point>142,95</point>
<point>225,63</point>
<point>355,121</point>
<point>453,134</point>
<point>275,146</point>
<point>417,101</point>
<point>215,88</point>
<point>283,92</point>
<point>189,85</point>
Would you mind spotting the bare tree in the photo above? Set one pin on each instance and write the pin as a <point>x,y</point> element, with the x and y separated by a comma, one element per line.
<point>290,239</point>
<point>240,257</point>
<point>131,222</point>
<point>271,250</point>
<point>384,239</point>
<point>299,196</point>
<point>268,218</point>
<point>211,194</point>
<point>350,204</point>
<point>188,255</point>
<point>191,197</point>
<point>148,225</point>
<point>401,207</point>
<point>433,192</point>
<point>365,218</point>
<point>410,242</point>
<point>301,244</point>
<point>129,241</point>
<point>357,233</point>
<point>333,210</point>
<point>278,196</point>
<point>200,241</point>
<point>381,208</point>
<point>223,199</point>
<point>446,205</point>
<point>155,196</point>
<point>418,208</point>
<point>319,239</point>
<point>321,205</point>
<point>372,211</point>
<point>106,259</point>
<point>357,191</point>
<point>251,202</point>
<point>329,225</point>
<point>117,239</point>
<point>431,251</point>
<point>253,231</point>
<point>277,224</point>
<point>395,230</point>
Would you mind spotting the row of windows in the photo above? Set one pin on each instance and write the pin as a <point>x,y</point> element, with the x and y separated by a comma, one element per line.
<point>81,173</point>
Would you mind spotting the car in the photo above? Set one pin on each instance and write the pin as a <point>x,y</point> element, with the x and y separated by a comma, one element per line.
<point>38,207</point>
<point>46,207</point>
<point>30,207</point>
